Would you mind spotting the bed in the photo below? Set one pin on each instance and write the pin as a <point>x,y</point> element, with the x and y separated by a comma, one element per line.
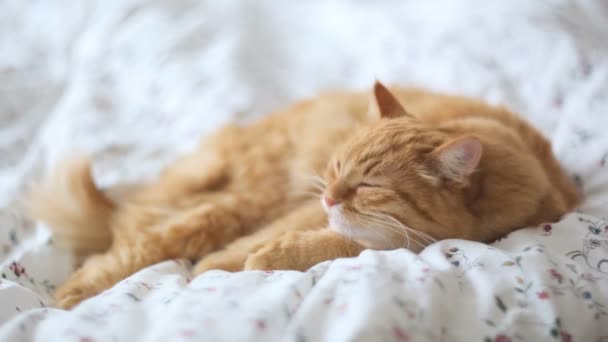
<point>134,83</point>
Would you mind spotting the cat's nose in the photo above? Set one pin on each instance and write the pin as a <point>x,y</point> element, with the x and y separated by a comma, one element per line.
<point>330,202</point>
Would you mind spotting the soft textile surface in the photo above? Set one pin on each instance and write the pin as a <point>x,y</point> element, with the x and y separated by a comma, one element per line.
<point>133,83</point>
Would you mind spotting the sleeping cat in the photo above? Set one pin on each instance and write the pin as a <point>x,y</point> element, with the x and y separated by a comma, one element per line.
<point>249,198</point>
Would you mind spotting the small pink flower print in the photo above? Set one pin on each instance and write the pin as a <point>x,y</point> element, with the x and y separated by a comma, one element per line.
<point>144,285</point>
<point>86,339</point>
<point>453,250</point>
<point>354,268</point>
<point>558,100</point>
<point>588,277</point>
<point>547,228</point>
<point>260,324</point>
<point>115,307</point>
<point>188,333</point>
<point>210,289</point>
<point>421,279</point>
<point>297,294</point>
<point>426,270</point>
<point>565,336</point>
<point>400,334</point>
<point>586,66</point>
<point>17,269</point>
<point>543,295</point>
<point>209,322</point>
<point>268,272</point>
<point>328,301</point>
<point>556,275</point>
<point>502,338</point>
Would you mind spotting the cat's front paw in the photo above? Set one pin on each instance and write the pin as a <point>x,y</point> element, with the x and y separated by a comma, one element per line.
<point>71,294</point>
<point>279,254</point>
<point>222,260</point>
<point>263,262</point>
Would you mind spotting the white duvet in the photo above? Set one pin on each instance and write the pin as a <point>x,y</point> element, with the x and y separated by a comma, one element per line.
<point>136,82</point>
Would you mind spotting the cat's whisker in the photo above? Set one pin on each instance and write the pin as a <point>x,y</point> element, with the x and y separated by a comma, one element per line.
<point>305,193</point>
<point>408,238</point>
<point>319,188</point>
<point>404,233</point>
<point>390,226</point>
<point>316,187</point>
<point>425,237</point>
<point>387,220</point>
<point>385,224</point>
<point>422,235</point>
<point>412,239</point>
<point>316,180</point>
<point>376,231</point>
<point>319,180</point>
<point>384,237</point>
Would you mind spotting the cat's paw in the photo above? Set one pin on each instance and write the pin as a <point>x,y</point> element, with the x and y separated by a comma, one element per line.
<point>71,294</point>
<point>222,260</point>
<point>263,262</point>
<point>278,254</point>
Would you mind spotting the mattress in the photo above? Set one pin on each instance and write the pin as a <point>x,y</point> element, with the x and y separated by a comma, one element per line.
<point>135,83</point>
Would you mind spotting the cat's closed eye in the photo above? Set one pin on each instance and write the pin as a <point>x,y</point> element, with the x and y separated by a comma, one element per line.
<point>367,185</point>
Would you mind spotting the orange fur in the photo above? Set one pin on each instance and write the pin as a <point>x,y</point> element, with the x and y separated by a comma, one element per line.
<point>449,167</point>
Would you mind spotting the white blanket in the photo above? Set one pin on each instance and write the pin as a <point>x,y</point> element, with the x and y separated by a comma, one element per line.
<point>134,83</point>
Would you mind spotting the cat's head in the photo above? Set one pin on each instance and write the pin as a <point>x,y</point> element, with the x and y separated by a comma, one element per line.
<point>386,184</point>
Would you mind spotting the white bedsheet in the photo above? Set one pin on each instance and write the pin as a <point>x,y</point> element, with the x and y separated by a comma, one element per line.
<point>135,82</point>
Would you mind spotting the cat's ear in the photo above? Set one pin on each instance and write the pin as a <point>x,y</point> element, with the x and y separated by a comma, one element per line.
<point>387,104</point>
<point>457,159</point>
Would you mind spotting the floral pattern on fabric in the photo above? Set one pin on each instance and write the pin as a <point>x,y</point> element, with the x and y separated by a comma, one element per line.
<point>516,289</point>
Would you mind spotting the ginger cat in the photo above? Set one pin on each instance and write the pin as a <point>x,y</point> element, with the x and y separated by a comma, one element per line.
<point>447,167</point>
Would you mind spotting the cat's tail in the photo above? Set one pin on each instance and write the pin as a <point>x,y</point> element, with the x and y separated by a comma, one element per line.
<point>76,211</point>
